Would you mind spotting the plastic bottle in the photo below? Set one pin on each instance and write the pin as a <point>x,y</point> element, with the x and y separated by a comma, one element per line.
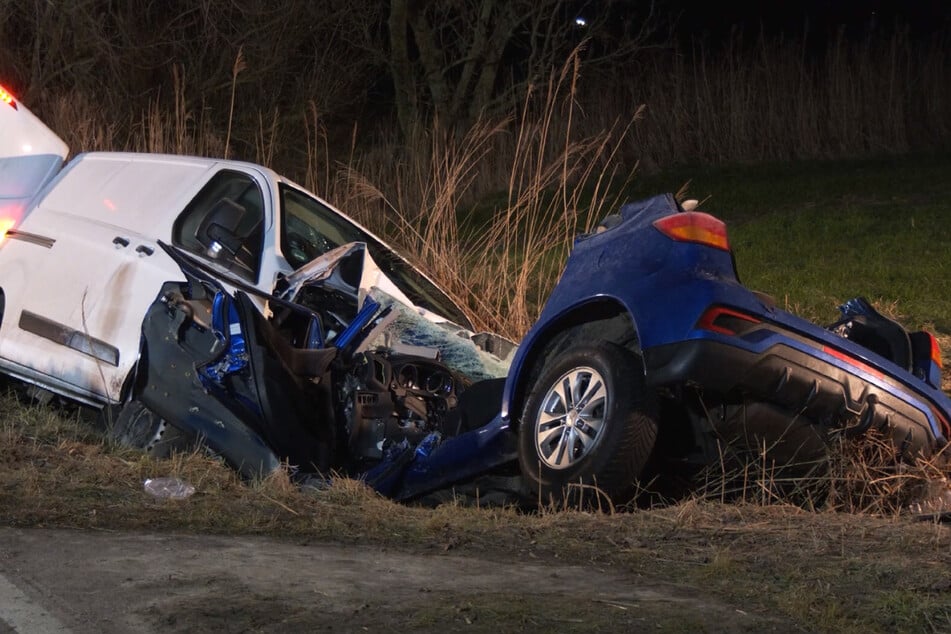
<point>168,488</point>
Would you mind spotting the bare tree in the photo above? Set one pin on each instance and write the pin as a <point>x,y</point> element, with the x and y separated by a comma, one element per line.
<point>451,59</point>
<point>458,58</point>
<point>125,50</point>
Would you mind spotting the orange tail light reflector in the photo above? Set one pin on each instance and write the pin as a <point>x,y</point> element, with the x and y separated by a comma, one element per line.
<point>726,321</point>
<point>695,226</point>
<point>7,98</point>
<point>935,350</point>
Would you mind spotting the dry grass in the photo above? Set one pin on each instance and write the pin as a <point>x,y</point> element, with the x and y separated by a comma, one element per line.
<point>554,164</point>
<point>502,264</point>
<point>45,447</point>
<point>748,99</point>
<point>862,475</point>
<point>826,570</point>
<point>557,175</point>
<point>778,99</point>
<point>501,258</point>
<point>490,210</point>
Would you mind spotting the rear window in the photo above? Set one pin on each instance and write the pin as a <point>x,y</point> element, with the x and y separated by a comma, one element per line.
<point>22,176</point>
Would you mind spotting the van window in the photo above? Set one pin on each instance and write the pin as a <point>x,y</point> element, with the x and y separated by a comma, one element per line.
<point>22,176</point>
<point>309,229</point>
<point>224,223</point>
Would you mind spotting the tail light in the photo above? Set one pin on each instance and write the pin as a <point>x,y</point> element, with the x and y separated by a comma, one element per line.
<point>5,225</point>
<point>855,363</point>
<point>726,321</point>
<point>7,98</point>
<point>935,350</point>
<point>695,226</point>
<point>945,426</point>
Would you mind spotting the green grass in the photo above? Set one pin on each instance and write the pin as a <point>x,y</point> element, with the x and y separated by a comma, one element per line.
<point>814,234</point>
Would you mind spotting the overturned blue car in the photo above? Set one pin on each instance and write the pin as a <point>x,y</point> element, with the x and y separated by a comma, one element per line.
<point>648,359</point>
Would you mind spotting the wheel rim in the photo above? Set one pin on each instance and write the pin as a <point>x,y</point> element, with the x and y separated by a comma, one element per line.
<point>144,431</point>
<point>571,418</point>
<point>156,436</point>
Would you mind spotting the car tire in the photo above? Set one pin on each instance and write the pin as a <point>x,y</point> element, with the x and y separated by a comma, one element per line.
<point>138,427</point>
<point>587,429</point>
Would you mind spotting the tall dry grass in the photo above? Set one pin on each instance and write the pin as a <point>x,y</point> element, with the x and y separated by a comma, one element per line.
<point>781,99</point>
<point>503,264</point>
<point>490,209</point>
<point>860,475</point>
<point>749,99</point>
<point>498,259</point>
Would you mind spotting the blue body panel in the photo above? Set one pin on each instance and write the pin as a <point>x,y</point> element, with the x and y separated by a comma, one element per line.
<point>437,464</point>
<point>666,286</point>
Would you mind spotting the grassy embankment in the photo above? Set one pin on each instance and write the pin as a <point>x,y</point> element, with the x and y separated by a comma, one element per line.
<point>812,233</point>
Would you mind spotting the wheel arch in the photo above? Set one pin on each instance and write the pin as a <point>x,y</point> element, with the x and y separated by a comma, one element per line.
<point>137,377</point>
<point>602,318</point>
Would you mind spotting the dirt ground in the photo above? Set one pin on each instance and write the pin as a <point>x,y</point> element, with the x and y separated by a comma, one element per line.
<point>98,581</point>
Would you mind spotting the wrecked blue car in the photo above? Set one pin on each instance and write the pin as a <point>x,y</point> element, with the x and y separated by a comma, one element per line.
<point>648,359</point>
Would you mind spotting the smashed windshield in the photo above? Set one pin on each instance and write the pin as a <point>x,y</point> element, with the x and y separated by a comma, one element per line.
<point>310,229</point>
<point>409,332</point>
<point>349,293</point>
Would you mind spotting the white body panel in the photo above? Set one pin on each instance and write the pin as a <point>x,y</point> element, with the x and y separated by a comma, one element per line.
<point>100,267</point>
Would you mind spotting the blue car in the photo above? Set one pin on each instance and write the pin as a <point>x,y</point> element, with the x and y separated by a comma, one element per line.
<point>648,353</point>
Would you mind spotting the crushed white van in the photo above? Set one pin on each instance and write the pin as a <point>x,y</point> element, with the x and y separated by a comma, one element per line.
<point>81,258</point>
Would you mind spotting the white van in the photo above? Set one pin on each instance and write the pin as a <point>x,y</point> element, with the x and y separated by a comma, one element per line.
<point>81,261</point>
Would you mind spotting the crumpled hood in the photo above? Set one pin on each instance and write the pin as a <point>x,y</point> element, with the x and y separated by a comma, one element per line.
<point>350,269</point>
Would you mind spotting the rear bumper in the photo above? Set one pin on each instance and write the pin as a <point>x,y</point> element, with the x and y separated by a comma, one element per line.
<point>801,383</point>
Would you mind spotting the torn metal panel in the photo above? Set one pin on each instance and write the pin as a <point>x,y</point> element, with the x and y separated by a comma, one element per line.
<point>259,391</point>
